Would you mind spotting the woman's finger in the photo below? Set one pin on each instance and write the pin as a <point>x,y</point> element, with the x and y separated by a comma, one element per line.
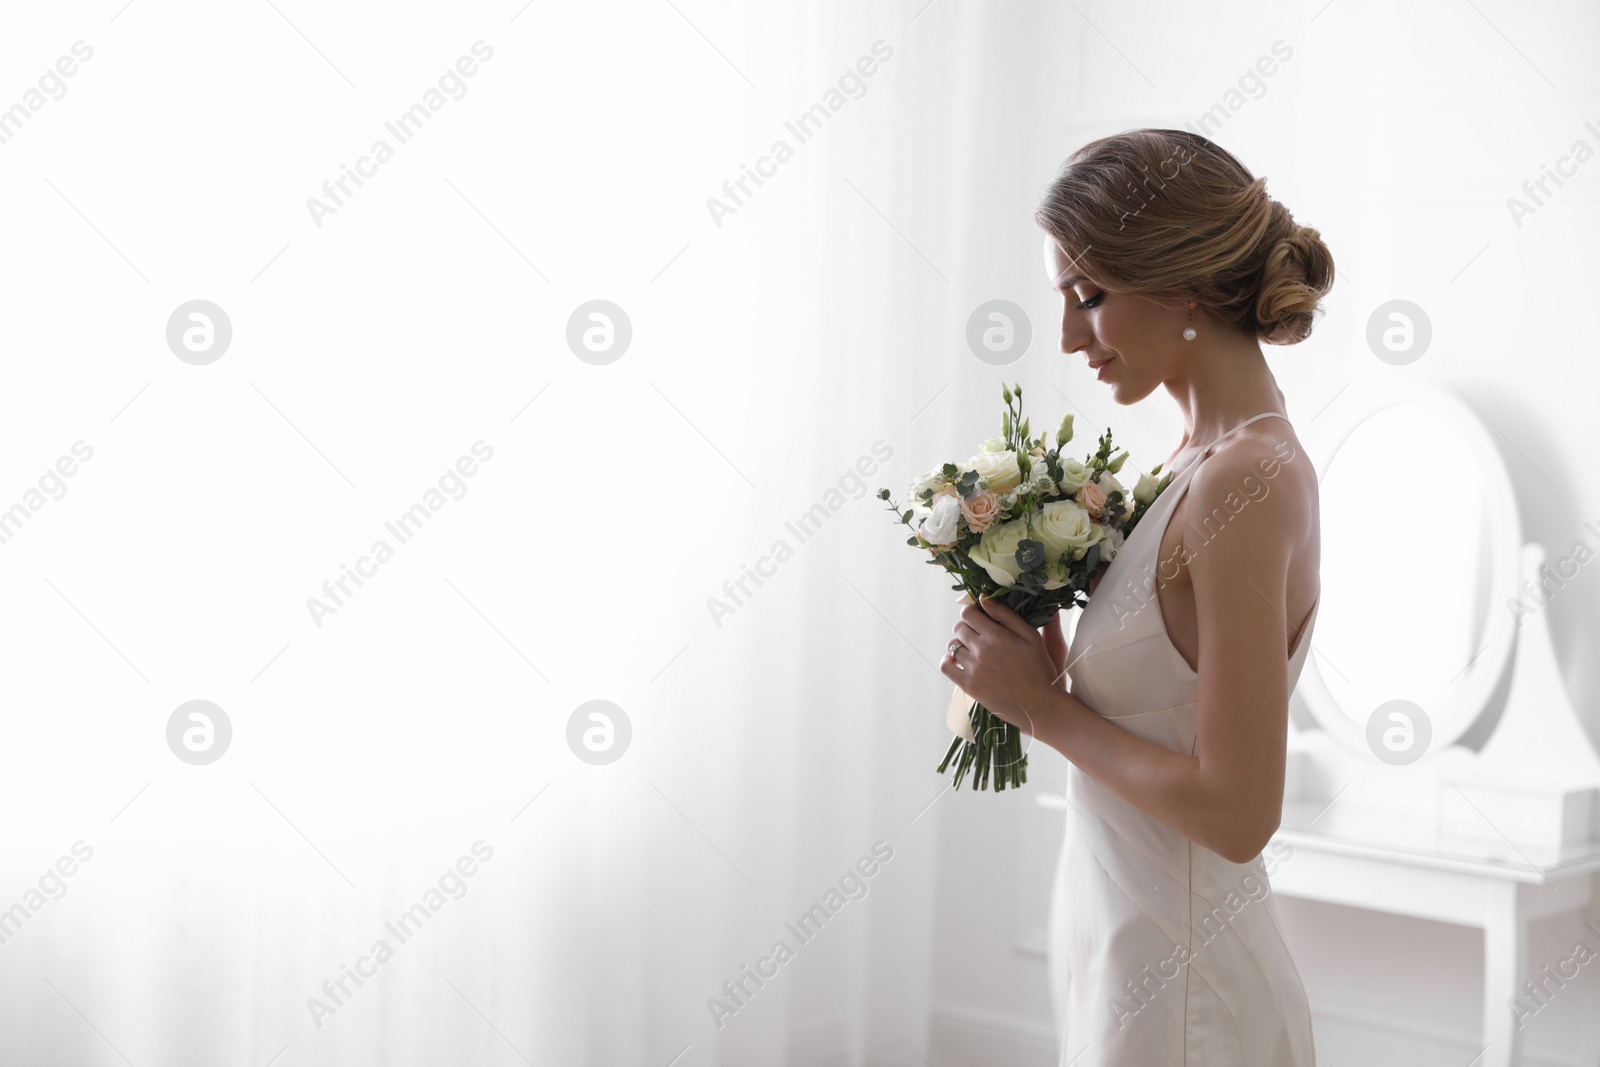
<point>1007,617</point>
<point>1053,638</point>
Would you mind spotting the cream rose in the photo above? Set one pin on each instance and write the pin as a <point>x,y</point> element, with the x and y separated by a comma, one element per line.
<point>996,551</point>
<point>999,469</point>
<point>1066,530</point>
<point>1073,474</point>
<point>980,509</point>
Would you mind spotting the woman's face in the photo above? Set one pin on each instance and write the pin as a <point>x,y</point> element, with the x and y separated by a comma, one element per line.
<point>1133,343</point>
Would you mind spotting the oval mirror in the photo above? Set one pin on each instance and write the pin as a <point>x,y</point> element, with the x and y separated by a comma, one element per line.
<point>1420,547</point>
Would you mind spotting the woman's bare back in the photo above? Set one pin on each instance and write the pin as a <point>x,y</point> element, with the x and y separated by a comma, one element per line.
<point>1281,465</point>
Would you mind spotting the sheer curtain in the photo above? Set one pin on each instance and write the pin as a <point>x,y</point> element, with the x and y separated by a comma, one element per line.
<point>401,857</point>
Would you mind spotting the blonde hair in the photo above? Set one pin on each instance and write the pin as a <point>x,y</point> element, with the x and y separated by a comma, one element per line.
<point>1170,215</point>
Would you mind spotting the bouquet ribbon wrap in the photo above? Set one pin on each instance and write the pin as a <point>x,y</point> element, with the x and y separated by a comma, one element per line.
<point>957,716</point>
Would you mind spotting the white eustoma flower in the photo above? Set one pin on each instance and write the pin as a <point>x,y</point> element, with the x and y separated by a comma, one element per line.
<point>933,479</point>
<point>940,526</point>
<point>1111,545</point>
<point>1144,490</point>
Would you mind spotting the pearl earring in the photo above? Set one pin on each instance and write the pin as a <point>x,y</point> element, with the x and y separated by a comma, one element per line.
<point>1188,331</point>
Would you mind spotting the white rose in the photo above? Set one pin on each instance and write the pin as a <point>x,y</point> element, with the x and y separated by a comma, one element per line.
<point>996,551</point>
<point>1059,572</point>
<point>995,444</point>
<point>1109,484</point>
<point>1073,475</point>
<point>939,526</point>
<point>1066,530</point>
<point>999,469</point>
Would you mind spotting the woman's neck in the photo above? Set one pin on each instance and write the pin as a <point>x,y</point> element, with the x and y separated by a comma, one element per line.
<point>1221,385</point>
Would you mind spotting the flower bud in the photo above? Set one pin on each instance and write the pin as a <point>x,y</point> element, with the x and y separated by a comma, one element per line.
<point>1064,432</point>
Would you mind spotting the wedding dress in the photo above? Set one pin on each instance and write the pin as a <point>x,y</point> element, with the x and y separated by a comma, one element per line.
<point>1161,951</point>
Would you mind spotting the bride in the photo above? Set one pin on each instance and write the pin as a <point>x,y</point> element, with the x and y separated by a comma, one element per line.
<point>1174,265</point>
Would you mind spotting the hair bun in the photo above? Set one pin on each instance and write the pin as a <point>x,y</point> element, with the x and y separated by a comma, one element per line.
<point>1211,238</point>
<point>1297,274</point>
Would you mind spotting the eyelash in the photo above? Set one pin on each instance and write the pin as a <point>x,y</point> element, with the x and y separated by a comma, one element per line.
<point>1092,302</point>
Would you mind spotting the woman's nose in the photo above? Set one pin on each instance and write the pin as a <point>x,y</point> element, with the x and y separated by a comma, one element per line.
<point>1075,336</point>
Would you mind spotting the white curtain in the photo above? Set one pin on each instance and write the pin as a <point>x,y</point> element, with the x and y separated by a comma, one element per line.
<point>401,752</point>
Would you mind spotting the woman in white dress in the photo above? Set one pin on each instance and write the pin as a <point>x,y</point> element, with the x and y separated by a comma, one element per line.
<point>1174,265</point>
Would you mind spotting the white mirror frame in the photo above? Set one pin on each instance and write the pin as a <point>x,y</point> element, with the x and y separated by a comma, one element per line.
<point>1467,698</point>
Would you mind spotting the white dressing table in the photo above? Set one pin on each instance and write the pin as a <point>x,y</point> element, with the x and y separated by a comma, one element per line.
<point>1499,896</point>
<point>1460,786</point>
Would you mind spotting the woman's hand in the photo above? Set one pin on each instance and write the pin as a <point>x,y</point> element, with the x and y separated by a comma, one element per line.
<point>1006,666</point>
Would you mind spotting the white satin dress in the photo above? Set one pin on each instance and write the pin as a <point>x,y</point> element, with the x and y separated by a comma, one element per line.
<point>1162,952</point>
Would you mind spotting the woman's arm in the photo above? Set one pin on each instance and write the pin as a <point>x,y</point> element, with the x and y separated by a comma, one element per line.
<point>1172,787</point>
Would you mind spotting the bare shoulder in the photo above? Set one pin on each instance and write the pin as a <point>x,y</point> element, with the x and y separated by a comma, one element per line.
<point>1265,471</point>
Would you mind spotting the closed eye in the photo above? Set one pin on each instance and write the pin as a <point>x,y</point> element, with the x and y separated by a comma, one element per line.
<point>1093,301</point>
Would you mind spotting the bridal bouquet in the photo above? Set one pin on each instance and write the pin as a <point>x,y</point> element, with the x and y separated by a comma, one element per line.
<point>1026,524</point>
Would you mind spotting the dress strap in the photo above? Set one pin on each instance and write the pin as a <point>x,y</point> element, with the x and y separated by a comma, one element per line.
<point>1225,435</point>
